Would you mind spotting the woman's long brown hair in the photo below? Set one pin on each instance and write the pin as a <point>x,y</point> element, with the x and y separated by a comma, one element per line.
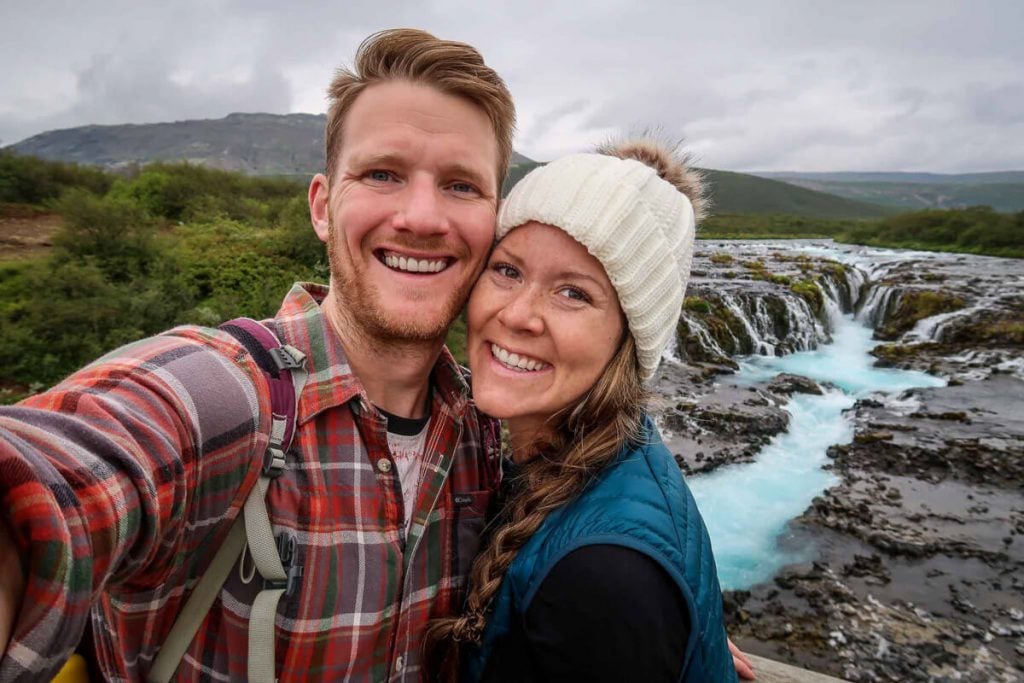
<point>585,440</point>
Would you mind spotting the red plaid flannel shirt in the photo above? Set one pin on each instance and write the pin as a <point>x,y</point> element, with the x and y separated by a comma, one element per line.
<point>121,483</point>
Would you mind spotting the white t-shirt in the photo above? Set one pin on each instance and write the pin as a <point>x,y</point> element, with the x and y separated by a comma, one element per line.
<point>406,439</point>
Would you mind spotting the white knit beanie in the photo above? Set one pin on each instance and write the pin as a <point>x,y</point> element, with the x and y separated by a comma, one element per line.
<point>639,226</point>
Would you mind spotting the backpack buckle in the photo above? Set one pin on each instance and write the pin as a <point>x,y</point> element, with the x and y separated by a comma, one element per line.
<point>273,461</point>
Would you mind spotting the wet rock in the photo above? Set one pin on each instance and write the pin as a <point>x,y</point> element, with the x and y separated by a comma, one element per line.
<point>839,631</point>
<point>788,384</point>
<point>729,425</point>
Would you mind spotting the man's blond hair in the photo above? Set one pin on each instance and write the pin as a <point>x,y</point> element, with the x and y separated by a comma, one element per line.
<point>418,57</point>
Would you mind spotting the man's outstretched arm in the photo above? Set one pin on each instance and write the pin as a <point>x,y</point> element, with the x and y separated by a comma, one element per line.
<point>114,476</point>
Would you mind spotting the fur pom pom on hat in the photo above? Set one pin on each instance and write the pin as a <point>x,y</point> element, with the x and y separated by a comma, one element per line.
<point>629,217</point>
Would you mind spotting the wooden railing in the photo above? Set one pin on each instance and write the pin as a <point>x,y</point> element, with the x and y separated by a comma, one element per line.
<point>770,671</point>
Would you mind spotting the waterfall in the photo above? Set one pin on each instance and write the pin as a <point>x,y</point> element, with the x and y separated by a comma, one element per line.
<point>754,332</point>
<point>880,302</point>
<point>833,303</point>
<point>761,318</point>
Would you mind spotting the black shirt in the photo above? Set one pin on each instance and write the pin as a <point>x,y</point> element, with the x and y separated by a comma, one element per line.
<point>603,613</point>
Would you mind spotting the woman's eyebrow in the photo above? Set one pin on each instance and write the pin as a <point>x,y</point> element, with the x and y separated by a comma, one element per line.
<point>501,251</point>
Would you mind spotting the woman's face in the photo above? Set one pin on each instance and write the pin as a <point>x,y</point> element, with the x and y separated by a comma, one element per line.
<point>544,321</point>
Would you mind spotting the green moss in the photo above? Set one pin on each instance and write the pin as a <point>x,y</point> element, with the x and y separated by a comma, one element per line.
<point>916,305</point>
<point>996,329</point>
<point>780,279</point>
<point>696,305</point>
<point>725,328</point>
<point>811,293</point>
<point>898,352</point>
<point>836,269</point>
<point>721,258</point>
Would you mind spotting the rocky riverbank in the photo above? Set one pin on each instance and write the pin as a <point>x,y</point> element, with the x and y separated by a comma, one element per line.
<point>918,570</point>
<point>920,548</point>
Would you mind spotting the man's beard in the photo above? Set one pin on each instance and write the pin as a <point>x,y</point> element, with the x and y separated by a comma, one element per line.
<point>361,301</point>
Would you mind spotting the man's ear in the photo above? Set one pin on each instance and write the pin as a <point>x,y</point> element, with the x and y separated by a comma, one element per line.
<point>319,206</point>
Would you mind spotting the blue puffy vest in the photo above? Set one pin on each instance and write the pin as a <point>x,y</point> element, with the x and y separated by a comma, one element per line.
<point>639,501</point>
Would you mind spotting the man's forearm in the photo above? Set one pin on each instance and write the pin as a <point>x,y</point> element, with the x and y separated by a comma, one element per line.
<point>12,582</point>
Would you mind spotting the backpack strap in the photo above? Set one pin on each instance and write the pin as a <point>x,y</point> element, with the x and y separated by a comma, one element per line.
<point>284,368</point>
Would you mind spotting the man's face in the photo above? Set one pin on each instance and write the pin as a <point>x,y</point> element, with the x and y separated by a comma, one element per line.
<point>411,209</point>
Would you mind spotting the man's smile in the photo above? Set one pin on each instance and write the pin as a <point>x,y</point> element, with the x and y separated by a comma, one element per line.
<point>412,264</point>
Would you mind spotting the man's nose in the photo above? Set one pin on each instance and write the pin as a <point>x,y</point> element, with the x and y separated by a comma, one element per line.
<point>423,209</point>
<point>522,312</point>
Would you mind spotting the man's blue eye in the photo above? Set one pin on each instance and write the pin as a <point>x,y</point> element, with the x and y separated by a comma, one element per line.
<point>382,176</point>
<point>463,187</point>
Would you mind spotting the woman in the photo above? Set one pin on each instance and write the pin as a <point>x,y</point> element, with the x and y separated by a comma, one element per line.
<point>599,566</point>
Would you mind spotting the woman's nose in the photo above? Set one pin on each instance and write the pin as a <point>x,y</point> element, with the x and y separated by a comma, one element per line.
<point>522,312</point>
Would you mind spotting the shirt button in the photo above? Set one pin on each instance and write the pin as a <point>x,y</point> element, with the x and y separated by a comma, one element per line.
<point>400,663</point>
<point>384,465</point>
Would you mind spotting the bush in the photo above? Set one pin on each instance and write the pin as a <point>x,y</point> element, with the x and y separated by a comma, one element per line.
<point>117,234</point>
<point>978,230</point>
<point>28,180</point>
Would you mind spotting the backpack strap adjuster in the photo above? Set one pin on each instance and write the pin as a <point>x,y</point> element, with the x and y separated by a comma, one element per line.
<point>288,358</point>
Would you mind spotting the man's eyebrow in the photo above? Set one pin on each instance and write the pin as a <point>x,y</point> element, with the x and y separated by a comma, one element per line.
<point>378,159</point>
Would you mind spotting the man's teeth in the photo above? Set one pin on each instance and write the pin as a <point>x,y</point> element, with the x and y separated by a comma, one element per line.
<point>515,361</point>
<point>412,265</point>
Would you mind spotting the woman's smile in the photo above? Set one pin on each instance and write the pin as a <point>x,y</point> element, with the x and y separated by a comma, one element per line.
<point>516,361</point>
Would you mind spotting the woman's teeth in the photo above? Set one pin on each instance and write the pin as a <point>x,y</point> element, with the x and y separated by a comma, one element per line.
<point>411,265</point>
<point>514,361</point>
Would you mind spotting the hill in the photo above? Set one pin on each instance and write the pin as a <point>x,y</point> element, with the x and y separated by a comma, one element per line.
<point>292,145</point>
<point>740,193</point>
<point>257,144</point>
<point>1002,190</point>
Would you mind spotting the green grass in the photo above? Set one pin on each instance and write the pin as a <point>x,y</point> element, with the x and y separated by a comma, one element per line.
<point>771,226</point>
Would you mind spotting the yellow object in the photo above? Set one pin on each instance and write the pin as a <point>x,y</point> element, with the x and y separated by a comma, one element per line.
<point>73,671</point>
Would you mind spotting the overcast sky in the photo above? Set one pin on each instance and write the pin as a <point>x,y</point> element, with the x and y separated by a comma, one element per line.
<point>822,85</point>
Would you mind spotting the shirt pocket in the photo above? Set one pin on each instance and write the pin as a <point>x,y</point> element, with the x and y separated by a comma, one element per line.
<point>469,515</point>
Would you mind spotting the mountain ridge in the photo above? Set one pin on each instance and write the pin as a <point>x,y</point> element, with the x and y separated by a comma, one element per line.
<point>1002,190</point>
<point>292,145</point>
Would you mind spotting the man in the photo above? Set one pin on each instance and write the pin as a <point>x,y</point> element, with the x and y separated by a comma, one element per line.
<point>119,484</point>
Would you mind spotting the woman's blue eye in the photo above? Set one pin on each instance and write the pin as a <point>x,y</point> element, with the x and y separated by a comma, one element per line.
<point>505,270</point>
<point>576,294</point>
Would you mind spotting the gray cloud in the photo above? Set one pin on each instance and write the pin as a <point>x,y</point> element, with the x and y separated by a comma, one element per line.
<point>776,85</point>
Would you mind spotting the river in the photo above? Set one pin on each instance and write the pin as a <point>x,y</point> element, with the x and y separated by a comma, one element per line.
<point>746,507</point>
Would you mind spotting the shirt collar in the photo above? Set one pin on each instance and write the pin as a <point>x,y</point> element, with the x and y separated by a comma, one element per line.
<point>301,323</point>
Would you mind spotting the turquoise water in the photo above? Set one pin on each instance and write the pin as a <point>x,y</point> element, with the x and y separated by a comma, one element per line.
<point>746,507</point>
